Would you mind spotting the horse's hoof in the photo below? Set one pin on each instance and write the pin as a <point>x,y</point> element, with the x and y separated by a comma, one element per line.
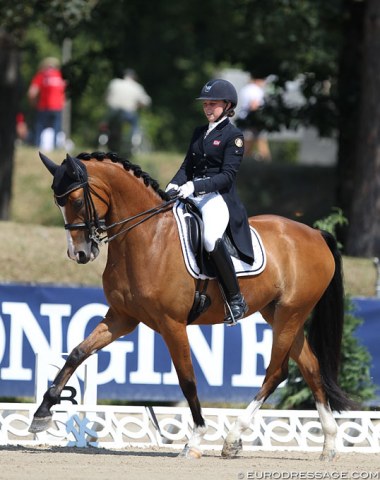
<point>40,424</point>
<point>232,448</point>
<point>190,452</point>
<point>328,456</point>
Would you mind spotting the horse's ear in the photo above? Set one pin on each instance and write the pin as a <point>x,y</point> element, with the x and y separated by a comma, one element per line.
<point>49,164</point>
<point>72,169</point>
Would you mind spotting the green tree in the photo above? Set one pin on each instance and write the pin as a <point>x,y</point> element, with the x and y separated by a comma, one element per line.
<point>180,45</point>
<point>174,46</point>
<point>62,17</point>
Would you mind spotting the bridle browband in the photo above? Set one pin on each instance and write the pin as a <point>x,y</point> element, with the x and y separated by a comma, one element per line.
<point>97,227</point>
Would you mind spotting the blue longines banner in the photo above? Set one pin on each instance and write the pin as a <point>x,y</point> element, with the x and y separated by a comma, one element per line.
<point>368,309</point>
<point>229,362</point>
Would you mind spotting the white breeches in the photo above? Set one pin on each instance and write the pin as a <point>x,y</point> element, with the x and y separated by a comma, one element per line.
<point>215,216</point>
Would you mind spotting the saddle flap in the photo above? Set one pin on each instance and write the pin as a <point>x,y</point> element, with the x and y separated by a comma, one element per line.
<point>194,223</point>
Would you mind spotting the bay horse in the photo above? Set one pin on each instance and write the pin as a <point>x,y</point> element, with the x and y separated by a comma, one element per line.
<point>105,198</point>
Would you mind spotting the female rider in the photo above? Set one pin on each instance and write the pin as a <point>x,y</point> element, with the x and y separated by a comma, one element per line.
<point>207,175</point>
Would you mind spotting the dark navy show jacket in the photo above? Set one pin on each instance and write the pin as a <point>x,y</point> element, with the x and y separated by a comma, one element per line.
<point>212,163</point>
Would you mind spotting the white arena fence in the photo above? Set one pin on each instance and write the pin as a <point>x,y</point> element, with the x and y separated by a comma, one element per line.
<point>135,426</point>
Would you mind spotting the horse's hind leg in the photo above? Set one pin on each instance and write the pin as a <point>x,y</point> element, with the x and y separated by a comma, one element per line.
<point>285,328</point>
<point>309,367</point>
<point>108,330</point>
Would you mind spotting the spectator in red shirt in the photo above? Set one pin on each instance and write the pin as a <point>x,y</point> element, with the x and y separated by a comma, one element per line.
<point>47,94</point>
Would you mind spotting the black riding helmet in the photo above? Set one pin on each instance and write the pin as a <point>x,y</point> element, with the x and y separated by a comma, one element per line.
<point>219,89</point>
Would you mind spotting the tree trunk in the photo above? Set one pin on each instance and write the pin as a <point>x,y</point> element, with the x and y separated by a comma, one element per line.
<point>9,93</point>
<point>364,229</point>
<point>349,101</point>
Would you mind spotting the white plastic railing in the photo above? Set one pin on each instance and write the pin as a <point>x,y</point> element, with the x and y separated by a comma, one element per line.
<point>120,427</point>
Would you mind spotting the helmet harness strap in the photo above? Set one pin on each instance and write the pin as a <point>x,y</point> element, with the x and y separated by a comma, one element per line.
<point>225,110</point>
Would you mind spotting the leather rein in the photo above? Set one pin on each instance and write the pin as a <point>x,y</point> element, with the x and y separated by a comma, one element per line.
<point>97,227</point>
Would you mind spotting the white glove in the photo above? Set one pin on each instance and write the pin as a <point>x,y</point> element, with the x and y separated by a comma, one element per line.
<point>172,186</point>
<point>186,189</point>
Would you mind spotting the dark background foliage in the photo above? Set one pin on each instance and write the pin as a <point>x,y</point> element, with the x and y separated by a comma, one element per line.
<point>333,45</point>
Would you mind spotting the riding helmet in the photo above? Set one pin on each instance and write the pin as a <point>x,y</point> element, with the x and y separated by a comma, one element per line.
<point>219,89</point>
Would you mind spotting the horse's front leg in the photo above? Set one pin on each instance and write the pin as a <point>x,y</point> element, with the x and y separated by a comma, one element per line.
<point>179,348</point>
<point>108,330</point>
<point>42,417</point>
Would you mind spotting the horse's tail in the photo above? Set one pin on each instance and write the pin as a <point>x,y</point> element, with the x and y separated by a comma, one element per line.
<point>326,330</point>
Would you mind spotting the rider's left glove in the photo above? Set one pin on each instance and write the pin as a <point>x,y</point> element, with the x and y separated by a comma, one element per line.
<point>186,189</point>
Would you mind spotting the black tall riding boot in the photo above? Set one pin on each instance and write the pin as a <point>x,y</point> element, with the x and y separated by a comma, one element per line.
<point>226,275</point>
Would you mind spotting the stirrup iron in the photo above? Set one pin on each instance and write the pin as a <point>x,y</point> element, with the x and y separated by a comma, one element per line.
<point>227,308</point>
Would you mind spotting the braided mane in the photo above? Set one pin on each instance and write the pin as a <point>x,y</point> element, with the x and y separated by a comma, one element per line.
<point>127,165</point>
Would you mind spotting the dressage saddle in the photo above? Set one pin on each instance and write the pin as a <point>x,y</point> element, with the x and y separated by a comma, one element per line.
<point>194,224</point>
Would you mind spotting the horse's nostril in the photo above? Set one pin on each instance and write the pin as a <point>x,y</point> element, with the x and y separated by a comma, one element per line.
<point>81,257</point>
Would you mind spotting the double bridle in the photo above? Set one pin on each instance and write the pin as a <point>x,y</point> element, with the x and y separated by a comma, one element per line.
<point>97,228</point>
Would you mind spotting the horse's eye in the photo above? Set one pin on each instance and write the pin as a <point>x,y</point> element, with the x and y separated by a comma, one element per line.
<point>78,203</point>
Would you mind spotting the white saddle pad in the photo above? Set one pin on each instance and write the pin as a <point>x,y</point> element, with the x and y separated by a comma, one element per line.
<point>241,268</point>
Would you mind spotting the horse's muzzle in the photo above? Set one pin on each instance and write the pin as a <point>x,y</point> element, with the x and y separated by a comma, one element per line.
<point>83,256</point>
